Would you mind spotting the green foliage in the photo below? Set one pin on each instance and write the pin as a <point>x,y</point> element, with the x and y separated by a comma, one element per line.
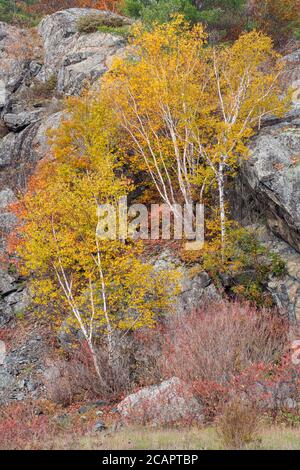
<point>227,17</point>
<point>12,12</point>
<point>236,5</point>
<point>215,14</point>
<point>297,34</point>
<point>246,267</point>
<point>211,17</point>
<point>118,31</point>
<point>51,83</point>
<point>290,418</point>
<point>92,23</point>
<point>161,11</point>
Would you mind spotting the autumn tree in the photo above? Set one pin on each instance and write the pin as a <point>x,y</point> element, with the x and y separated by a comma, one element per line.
<point>44,7</point>
<point>187,109</point>
<point>245,89</point>
<point>279,18</point>
<point>156,101</point>
<point>95,284</point>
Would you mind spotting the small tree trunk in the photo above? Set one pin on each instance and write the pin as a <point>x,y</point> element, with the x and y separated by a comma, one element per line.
<point>222,205</point>
<point>110,331</point>
<point>95,361</point>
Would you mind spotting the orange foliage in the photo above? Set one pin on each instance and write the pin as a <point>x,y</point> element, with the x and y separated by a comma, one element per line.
<point>45,7</point>
<point>276,17</point>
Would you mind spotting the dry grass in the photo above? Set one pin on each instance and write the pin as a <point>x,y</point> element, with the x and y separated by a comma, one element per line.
<point>239,424</point>
<point>271,438</point>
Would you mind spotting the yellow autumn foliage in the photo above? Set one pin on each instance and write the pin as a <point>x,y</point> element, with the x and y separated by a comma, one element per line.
<point>58,231</point>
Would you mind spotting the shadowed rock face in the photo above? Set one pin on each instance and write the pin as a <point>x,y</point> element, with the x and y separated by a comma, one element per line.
<point>12,63</point>
<point>272,173</point>
<point>29,106</point>
<point>273,177</point>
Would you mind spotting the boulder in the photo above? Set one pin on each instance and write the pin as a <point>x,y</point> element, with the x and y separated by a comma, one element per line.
<point>100,426</point>
<point>75,58</point>
<point>167,403</point>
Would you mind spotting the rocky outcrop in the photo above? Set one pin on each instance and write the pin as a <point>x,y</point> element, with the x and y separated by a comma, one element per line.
<point>36,72</point>
<point>19,152</point>
<point>272,174</point>
<point>23,367</point>
<point>31,90</point>
<point>32,82</point>
<point>74,58</point>
<point>196,286</point>
<point>286,288</point>
<point>268,190</point>
<point>167,403</point>
<point>18,121</point>
<point>14,57</point>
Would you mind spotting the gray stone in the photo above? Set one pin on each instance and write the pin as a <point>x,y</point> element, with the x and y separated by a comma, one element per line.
<point>83,409</point>
<point>272,173</point>
<point>74,58</point>
<point>100,426</point>
<point>13,63</point>
<point>166,403</point>
<point>282,395</point>
<point>7,283</point>
<point>18,301</point>
<point>6,149</point>
<point>17,122</point>
<point>34,68</point>
<point>21,151</point>
<point>6,197</point>
<point>6,379</point>
<point>273,177</point>
<point>285,289</point>
<point>20,376</point>
<point>7,222</point>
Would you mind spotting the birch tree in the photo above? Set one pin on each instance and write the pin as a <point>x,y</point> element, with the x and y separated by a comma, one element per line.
<point>246,87</point>
<point>97,286</point>
<point>188,109</point>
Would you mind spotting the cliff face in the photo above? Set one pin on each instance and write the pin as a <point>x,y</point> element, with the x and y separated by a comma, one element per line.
<point>37,70</point>
<point>269,183</point>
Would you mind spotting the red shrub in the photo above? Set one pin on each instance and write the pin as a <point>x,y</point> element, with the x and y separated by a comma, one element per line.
<point>19,425</point>
<point>212,395</point>
<point>73,378</point>
<point>219,341</point>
